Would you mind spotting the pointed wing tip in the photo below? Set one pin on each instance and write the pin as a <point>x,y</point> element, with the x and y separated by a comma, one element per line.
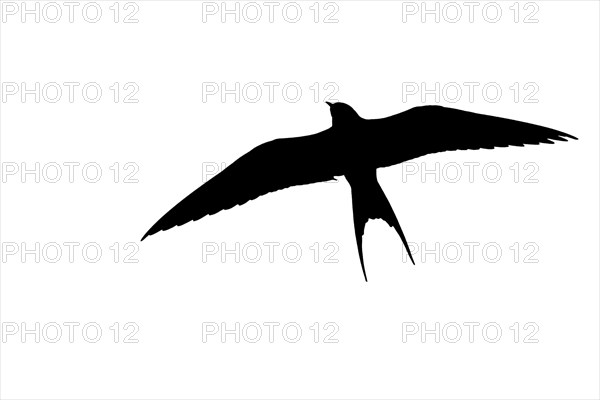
<point>150,232</point>
<point>562,137</point>
<point>570,136</point>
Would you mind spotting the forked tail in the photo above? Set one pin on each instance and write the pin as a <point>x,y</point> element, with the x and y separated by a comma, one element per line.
<point>369,202</point>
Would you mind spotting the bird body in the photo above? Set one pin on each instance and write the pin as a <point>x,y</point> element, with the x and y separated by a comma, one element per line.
<point>355,148</point>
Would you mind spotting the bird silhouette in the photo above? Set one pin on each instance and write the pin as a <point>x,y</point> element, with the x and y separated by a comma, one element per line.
<point>353,147</point>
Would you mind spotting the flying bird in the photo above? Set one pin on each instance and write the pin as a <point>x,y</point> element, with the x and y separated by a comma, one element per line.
<point>353,147</point>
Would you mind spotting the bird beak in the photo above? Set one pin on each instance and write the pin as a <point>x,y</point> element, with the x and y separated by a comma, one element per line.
<point>329,103</point>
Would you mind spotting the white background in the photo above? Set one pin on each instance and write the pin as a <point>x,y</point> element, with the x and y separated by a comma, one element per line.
<point>171,133</point>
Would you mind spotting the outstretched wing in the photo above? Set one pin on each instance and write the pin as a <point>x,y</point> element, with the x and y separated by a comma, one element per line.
<point>272,166</point>
<point>432,129</point>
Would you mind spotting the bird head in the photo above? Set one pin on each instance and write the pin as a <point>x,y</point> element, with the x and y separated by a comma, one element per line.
<point>342,113</point>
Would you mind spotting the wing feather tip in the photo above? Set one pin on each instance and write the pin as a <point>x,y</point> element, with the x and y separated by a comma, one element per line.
<point>145,236</point>
<point>150,232</point>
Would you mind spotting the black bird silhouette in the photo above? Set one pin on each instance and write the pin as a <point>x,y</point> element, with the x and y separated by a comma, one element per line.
<point>354,147</point>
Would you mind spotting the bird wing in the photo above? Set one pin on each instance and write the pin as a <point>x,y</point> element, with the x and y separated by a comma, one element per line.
<point>433,129</point>
<point>272,166</point>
